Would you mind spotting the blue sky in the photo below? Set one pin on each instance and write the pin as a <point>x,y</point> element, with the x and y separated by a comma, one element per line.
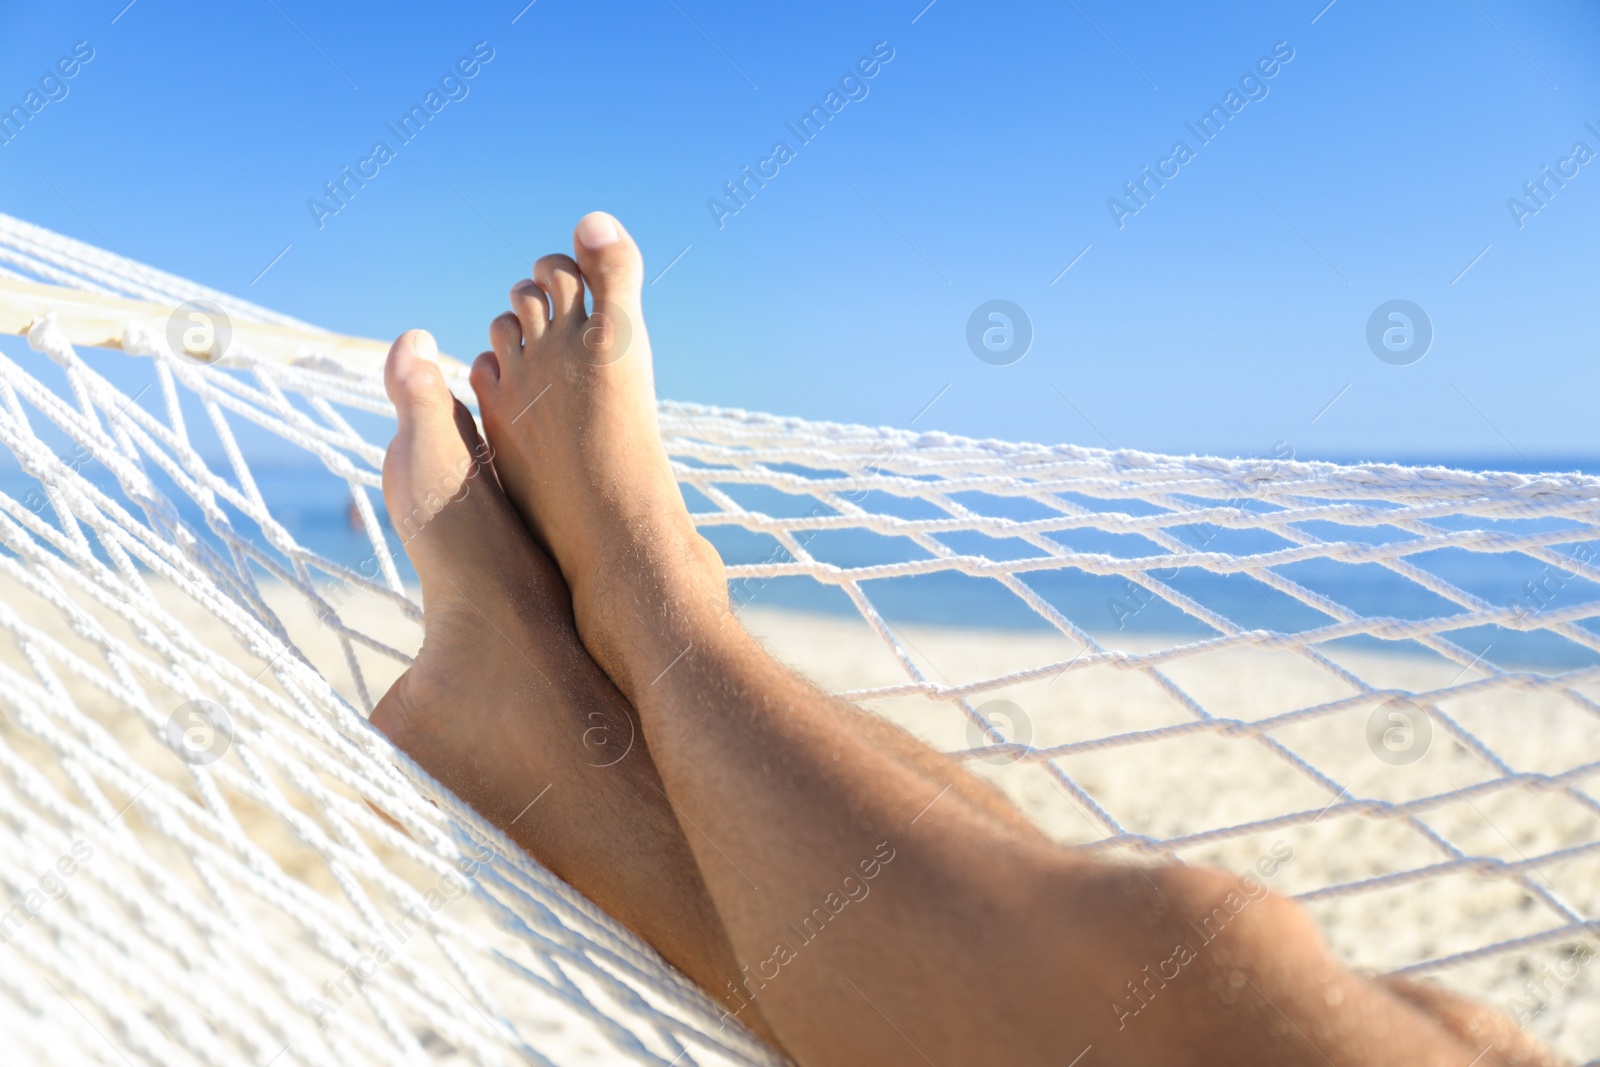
<point>1230,312</point>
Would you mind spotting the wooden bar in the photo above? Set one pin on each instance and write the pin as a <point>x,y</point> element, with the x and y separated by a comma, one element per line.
<point>98,321</point>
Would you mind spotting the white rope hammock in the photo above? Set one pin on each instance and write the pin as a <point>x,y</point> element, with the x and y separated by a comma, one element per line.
<point>257,909</point>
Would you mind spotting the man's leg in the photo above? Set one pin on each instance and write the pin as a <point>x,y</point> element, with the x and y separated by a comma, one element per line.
<point>1478,1025</point>
<point>877,916</point>
<point>505,707</point>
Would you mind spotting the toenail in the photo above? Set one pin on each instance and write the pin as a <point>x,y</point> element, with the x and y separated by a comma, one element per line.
<point>425,346</point>
<point>597,231</point>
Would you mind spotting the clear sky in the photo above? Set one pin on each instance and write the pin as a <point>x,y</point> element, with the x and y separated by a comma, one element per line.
<point>978,162</point>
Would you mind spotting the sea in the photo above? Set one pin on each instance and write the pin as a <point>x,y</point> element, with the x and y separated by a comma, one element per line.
<point>315,508</point>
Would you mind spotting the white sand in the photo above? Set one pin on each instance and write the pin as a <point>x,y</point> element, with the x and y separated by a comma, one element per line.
<point>1206,781</point>
<point>1185,785</point>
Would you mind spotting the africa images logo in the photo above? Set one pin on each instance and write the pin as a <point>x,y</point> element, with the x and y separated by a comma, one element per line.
<point>52,88</point>
<point>852,85</point>
<point>1252,86</point>
<point>452,86</point>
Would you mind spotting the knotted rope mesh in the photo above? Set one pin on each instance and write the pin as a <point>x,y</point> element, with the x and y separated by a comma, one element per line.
<point>1373,687</point>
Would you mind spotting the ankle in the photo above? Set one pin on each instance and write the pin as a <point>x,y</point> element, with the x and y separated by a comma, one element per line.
<point>657,594</point>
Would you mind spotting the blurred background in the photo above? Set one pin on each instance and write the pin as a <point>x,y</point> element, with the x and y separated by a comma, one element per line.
<point>1224,309</point>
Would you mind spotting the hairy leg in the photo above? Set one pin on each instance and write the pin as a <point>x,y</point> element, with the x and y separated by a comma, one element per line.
<point>880,910</point>
<point>603,359</point>
<point>505,707</point>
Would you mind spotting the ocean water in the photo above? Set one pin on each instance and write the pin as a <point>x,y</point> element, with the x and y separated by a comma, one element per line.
<point>315,508</point>
<point>1109,605</point>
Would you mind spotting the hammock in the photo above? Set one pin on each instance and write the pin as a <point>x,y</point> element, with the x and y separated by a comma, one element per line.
<point>284,887</point>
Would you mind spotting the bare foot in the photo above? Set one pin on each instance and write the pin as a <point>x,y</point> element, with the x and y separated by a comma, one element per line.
<point>569,404</point>
<point>568,397</point>
<point>505,707</point>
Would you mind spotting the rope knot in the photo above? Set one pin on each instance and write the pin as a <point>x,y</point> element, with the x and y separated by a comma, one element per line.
<point>46,336</point>
<point>139,338</point>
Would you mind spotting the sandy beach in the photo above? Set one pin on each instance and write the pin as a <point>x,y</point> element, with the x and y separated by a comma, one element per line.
<point>1191,784</point>
<point>1206,781</point>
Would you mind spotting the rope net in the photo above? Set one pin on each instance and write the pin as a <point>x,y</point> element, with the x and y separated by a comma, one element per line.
<point>1374,687</point>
